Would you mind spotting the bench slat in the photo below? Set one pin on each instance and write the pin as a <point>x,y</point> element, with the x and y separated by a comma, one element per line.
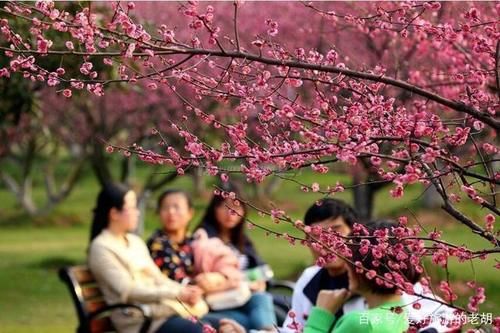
<point>91,292</point>
<point>82,274</point>
<point>87,297</point>
<point>94,305</point>
<point>101,325</point>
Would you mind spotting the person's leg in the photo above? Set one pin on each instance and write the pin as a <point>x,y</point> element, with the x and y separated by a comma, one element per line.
<point>260,311</point>
<point>237,315</point>
<point>178,324</point>
<point>212,319</point>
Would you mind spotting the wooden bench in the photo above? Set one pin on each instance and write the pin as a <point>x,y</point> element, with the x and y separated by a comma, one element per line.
<point>93,312</point>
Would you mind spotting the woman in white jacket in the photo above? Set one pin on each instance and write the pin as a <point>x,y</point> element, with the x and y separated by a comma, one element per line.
<point>125,272</point>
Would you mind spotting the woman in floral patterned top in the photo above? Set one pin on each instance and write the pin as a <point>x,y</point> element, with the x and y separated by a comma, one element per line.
<point>175,260</point>
<point>172,251</point>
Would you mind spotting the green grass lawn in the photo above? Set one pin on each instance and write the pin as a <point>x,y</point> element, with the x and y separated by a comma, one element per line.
<point>33,299</point>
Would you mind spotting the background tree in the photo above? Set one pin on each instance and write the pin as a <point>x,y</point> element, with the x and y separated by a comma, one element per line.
<point>31,144</point>
<point>285,106</point>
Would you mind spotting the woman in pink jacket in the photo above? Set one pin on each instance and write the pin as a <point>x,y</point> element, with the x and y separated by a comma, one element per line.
<point>205,262</point>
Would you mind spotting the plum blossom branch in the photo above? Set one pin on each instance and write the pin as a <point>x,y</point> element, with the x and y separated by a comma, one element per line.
<point>448,207</point>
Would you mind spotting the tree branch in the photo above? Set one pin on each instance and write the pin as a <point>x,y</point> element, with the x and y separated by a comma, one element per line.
<point>236,36</point>
<point>452,104</point>
<point>497,67</point>
<point>448,207</point>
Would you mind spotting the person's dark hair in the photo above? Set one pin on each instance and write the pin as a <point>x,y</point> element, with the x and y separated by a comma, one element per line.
<point>111,196</point>
<point>330,208</point>
<point>238,237</point>
<point>170,192</point>
<point>407,271</point>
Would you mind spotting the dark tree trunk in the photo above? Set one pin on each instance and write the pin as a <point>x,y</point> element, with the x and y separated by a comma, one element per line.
<point>127,169</point>
<point>99,163</point>
<point>366,185</point>
<point>258,192</point>
<point>198,181</point>
<point>431,198</point>
<point>364,196</point>
<point>272,186</point>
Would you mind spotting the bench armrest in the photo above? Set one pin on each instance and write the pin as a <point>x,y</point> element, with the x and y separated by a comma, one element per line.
<point>281,284</point>
<point>147,318</point>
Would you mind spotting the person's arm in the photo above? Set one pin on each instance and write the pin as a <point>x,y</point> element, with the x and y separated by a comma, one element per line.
<point>258,286</point>
<point>319,321</point>
<point>230,326</point>
<point>109,270</point>
<point>354,322</point>
<point>322,316</point>
<point>322,321</point>
<point>211,282</point>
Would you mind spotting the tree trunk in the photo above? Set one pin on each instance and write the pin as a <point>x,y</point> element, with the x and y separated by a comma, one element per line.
<point>364,196</point>
<point>127,170</point>
<point>198,181</point>
<point>431,198</point>
<point>272,186</point>
<point>142,203</point>
<point>258,192</point>
<point>22,192</point>
<point>23,189</point>
<point>150,187</point>
<point>367,183</point>
<point>99,163</point>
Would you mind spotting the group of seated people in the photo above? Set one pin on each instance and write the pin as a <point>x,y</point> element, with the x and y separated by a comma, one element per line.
<point>212,274</point>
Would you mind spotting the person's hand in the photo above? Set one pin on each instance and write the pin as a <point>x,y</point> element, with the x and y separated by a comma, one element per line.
<point>332,300</point>
<point>211,281</point>
<point>230,326</point>
<point>259,285</point>
<point>191,294</point>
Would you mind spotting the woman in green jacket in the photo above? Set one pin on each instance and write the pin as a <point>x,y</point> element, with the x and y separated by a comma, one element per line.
<point>385,313</point>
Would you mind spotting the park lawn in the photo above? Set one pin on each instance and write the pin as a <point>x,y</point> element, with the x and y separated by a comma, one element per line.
<point>31,250</point>
<point>33,297</point>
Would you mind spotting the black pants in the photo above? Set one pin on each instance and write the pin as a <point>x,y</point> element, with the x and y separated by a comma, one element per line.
<point>178,324</point>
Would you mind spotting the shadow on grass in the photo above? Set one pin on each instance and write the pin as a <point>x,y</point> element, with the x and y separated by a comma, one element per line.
<point>54,263</point>
<point>54,219</point>
<point>15,220</point>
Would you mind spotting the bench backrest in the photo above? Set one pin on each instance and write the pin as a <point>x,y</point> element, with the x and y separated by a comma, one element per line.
<point>87,298</point>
